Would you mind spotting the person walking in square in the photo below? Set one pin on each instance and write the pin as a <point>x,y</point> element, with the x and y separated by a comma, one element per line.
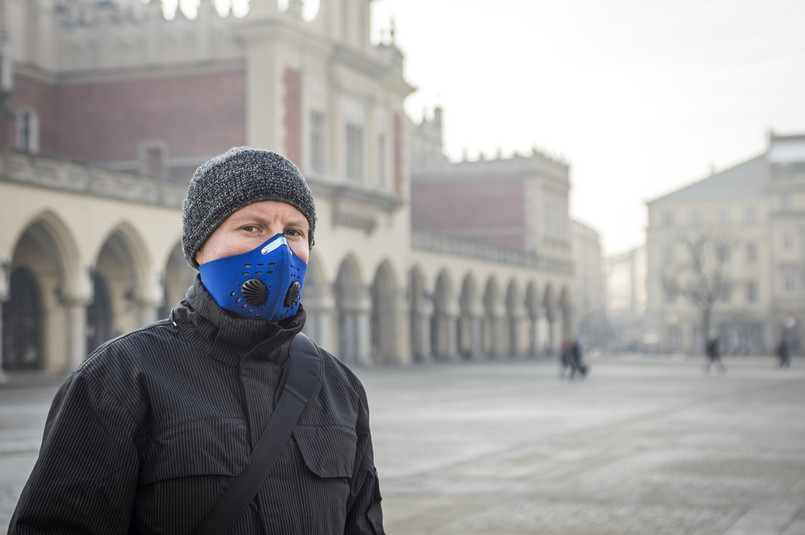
<point>713,351</point>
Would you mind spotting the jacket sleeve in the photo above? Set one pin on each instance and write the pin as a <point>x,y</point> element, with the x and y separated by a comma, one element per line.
<point>86,475</point>
<point>364,515</point>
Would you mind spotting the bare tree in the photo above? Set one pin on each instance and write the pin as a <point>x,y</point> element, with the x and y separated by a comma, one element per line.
<point>700,276</point>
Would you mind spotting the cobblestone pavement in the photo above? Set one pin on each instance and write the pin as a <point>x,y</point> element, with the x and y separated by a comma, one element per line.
<point>642,446</point>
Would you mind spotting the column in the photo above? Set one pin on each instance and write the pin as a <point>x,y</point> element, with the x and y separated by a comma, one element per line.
<point>447,331</point>
<point>451,333</point>
<point>420,330</point>
<point>3,376</point>
<point>150,299</point>
<point>75,300</point>
<point>399,350</point>
<point>5,294</point>
<point>533,338</point>
<point>76,306</point>
<point>514,335</point>
<point>364,339</point>
<point>320,308</point>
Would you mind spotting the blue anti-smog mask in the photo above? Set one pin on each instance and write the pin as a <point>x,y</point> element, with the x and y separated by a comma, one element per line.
<point>264,283</point>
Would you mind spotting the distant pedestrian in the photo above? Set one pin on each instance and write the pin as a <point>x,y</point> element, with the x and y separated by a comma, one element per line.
<point>784,353</point>
<point>572,360</point>
<point>714,355</point>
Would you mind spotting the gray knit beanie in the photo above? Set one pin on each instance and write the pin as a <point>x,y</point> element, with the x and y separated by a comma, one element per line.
<point>239,177</point>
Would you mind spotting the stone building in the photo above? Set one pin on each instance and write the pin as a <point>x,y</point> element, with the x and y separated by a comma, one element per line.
<point>108,108</point>
<point>590,286</point>
<point>626,301</point>
<point>512,211</point>
<point>746,225</point>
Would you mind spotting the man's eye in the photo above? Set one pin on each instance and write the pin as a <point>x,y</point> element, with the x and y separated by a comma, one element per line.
<point>249,228</point>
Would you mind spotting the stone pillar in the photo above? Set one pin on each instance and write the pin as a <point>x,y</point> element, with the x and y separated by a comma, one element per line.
<point>404,354</point>
<point>364,337</point>
<point>447,331</point>
<point>475,327</point>
<point>514,335</point>
<point>420,330</point>
<point>533,337</point>
<point>76,306</point>
<point>75,299</point>
<point>319,307</point>
<point>451,332</point>
<point>496,326</point>
<point>397,347</point>
<point>149,300</point>
<point>263,71</point>
<point>5,292</point>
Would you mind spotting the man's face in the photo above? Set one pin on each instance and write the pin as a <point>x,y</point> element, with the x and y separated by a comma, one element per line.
<point>252,225</point>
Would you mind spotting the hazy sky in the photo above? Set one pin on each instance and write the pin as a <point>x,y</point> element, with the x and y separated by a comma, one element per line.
<point>641,97</point>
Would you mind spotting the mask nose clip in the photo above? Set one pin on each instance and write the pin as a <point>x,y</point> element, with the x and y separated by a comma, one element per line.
<point>293,294</point>
<point>254,292</point>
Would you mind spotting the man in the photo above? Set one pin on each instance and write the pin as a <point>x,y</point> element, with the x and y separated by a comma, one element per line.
<point>713,351</point>
<point>150,431</point>
<point>784,353</point>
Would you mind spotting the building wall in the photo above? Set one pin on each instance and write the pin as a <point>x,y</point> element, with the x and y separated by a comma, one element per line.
<point>590,286</point>
<point>745,207</point>
<point>472,209</point>
<point>93,221</point>
<point>626,302</point>
<point>191,115</point>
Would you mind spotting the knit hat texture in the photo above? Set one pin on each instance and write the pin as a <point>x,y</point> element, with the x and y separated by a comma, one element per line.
<point>239,177</point>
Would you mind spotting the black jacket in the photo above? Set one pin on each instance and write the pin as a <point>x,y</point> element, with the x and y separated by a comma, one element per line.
<point>148,433</point>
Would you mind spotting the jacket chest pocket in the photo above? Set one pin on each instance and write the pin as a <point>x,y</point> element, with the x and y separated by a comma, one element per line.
<point>214,447</point>
<point>185,470</point>
<point>328,451</point>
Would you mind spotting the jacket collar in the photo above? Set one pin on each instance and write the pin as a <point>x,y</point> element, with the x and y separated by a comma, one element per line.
<point>229,338</point>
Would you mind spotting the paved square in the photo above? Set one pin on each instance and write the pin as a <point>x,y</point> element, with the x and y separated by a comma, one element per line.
<point>642,446</point>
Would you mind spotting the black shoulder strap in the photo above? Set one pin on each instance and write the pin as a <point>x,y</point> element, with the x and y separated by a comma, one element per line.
<point>304,377</point>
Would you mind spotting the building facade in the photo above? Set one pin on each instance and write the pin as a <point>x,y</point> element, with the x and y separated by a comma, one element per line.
<point>626,302</point>
<point>590,282</point>
<point>514,206</point>
<point>109,108</point>
<point>738,239</point>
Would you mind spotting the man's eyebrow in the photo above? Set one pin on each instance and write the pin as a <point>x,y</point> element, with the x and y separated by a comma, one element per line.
<point>302,222</point>
<point>243,218</point>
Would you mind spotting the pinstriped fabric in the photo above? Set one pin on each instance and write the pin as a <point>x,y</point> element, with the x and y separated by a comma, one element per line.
<point>147,435</point>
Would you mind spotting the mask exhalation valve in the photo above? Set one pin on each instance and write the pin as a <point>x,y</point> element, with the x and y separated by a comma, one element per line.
<point>293,293</point>
<point>254,292</point>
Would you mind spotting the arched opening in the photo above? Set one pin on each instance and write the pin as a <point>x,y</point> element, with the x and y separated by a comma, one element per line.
<point>115,274</point>
<point>352,304</point>
<point>22,323</point>
<point>52,284</point>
